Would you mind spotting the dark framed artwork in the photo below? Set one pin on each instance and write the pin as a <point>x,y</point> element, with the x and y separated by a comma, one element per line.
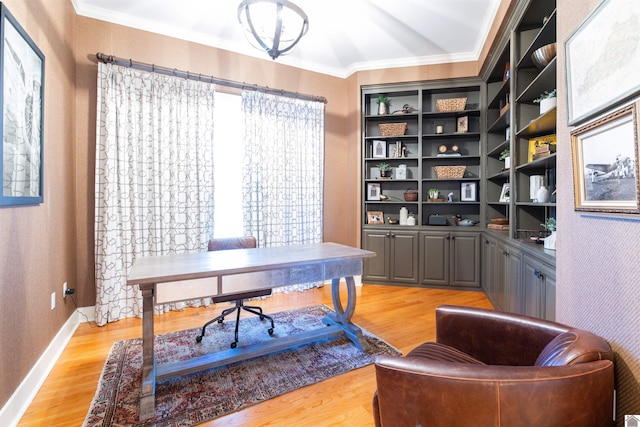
<point>21,121</point>
<point>605,163</point>
<point>602,71</point>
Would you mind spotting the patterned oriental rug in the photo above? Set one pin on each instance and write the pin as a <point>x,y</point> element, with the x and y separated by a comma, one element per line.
<point>199,397</point>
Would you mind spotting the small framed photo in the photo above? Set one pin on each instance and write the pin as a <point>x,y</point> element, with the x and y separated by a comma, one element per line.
<point>379,148</point>
<point>605,163</point>
<point>375,217</point>
<point>463,124</point>
<point>468,192</point>
<point>507,72</point>
<point>373,191</point>
<point>505,193</point>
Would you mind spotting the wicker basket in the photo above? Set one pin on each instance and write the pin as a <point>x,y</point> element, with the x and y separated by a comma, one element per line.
<point>450,172</point>
<point>392,129</point>
<point>451,104</point>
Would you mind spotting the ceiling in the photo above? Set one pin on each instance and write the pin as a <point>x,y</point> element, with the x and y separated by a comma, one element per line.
<point>344,35</point>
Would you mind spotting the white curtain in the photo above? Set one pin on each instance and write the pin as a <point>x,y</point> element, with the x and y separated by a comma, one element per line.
<point>283,171</point>
<point>154,178</point>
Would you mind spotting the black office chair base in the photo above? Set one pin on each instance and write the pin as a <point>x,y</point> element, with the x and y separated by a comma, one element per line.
<point>238,307</point>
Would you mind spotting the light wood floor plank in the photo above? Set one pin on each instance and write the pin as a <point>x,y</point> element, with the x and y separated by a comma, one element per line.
<point>403,316</point>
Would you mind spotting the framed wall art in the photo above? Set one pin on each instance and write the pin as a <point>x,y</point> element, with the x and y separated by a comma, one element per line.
<point>603,71</point>
<point>21,121</point>
<point>605,163</point>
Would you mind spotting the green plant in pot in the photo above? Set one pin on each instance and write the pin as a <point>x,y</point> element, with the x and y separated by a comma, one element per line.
<point>550,240</point>
<point>384,169</point>
<point>547,101</point>
<point>433,193</point>
<point>506,156</point>
<point>383,102</point>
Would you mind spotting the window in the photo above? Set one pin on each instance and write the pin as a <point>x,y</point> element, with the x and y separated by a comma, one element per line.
<point>228,153</point>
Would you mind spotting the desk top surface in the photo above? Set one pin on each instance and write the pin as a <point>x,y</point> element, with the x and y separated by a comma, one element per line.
<point>168,268</point>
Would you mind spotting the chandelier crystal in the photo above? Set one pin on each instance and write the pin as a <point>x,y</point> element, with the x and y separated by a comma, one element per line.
<point>274,26</point>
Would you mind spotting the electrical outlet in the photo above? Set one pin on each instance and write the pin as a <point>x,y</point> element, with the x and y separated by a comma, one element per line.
<point>64,290</point>
<point>53,300</point>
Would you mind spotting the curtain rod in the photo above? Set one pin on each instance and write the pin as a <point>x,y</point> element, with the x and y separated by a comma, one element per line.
<point>187,75</point>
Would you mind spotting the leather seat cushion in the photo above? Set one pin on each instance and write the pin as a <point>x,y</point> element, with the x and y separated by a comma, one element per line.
<point>443,353</point>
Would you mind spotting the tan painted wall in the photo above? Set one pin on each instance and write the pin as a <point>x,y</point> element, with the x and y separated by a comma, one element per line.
<point>598,267</point>
<point>38,246</point>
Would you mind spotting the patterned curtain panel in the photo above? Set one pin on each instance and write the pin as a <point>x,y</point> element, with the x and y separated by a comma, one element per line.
<point>283,171</point>
<point>154,178</point>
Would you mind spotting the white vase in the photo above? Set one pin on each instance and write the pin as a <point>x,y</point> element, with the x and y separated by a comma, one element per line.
<point>543,195</point>
<point>507,163</point>
<point>550,241</point>
<point>547,104</point>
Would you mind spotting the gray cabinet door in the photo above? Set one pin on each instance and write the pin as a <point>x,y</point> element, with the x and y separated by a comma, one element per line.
<point>513,281</point>
<point>404,257</point>
<point>377,268</point>
<point>434,250</point>
<point>465,259</point>
<point>538,289</point>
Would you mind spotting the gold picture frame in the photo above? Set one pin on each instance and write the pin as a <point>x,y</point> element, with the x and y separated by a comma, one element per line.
<point>605,163</point>
<point>375,217</point>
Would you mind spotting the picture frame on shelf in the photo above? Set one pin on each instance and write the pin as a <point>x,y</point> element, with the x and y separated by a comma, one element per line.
<point>468,192</point>
<point>505,193</point>
<point>507,72</point>
<point>375,217</point>
<point>373,191</point>
<point>379,148</point>
<point>596,81</point>
<point>462,124</point>
<point>605,163</point>
<point>22,105</point>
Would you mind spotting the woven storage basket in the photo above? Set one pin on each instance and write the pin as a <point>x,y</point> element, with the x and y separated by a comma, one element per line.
<point>392,129</point>
<point>451,104</point>
<point>450,172</point>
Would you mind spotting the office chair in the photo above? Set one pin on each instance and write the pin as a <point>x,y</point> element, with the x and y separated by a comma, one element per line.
<point>236,243</point>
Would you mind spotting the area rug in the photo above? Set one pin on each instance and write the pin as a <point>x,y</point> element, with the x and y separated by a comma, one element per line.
<point>199,397</point>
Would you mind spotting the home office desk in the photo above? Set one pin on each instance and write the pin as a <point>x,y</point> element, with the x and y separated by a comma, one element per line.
<point>173,278</point>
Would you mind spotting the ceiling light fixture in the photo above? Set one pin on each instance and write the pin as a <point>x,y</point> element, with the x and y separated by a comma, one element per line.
<point>274,26</point>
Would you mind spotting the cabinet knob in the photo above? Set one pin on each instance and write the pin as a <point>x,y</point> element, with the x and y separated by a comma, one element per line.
<point>392,235</point>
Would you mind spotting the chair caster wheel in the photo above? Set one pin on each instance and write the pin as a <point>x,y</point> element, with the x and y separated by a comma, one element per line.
<point>270,331</point>
<point>220,320</point>
<point>199,338</point>
<point>233,345</point>
<point>261,317</point>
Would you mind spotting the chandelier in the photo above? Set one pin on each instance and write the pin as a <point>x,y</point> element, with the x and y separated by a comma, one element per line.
<point>274,26</point>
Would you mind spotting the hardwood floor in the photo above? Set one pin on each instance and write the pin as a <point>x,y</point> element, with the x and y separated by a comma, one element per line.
<point>403,316</point>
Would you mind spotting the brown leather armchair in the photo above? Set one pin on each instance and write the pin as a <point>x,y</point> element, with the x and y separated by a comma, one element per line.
<point>490,368</point>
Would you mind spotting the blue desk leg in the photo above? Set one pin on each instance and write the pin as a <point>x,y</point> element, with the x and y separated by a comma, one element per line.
<point>148,390</point>
<point>341,317</point>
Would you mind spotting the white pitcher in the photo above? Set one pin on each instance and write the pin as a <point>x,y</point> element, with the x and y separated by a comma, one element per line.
<point>543,194</point>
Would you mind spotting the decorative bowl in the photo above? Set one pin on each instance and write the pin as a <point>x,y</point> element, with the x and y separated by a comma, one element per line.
<point>410,196</point>
<point>500,221</point>
<point>543,55</point>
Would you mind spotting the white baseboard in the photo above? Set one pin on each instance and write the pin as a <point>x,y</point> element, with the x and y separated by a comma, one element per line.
<point>20,400</point>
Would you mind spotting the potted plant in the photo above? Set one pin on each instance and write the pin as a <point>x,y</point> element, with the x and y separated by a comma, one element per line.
<point>550,240</point>
<point>411,219</point>
<point>547,101</point>
<point>506,156</point>
<point>433,193</point>
<point>384,169</point>
<point>383,102</point>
